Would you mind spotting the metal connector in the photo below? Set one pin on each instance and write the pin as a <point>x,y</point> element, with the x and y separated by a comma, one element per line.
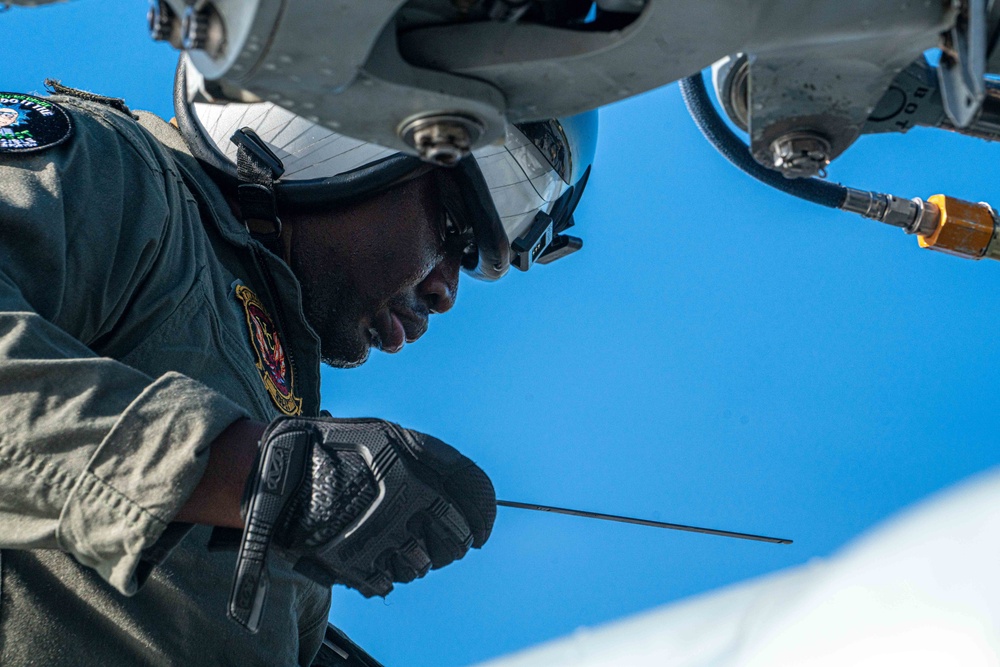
<point>802,154</point>
<point>913,216</point>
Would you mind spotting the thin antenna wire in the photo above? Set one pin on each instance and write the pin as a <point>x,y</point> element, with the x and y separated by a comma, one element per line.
<point>641,522</point>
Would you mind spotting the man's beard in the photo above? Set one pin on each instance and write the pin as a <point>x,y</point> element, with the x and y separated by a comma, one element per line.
<point>334,314</point>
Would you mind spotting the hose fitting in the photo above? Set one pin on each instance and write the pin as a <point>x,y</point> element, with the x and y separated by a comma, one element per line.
<point>964,229</point>
<point>941,223</point>
<point>913,216</point>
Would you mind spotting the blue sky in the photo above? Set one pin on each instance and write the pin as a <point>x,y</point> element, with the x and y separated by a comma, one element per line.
<point>718,354</point>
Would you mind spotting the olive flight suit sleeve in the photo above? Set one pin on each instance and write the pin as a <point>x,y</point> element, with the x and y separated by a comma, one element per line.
<point>96,457</point>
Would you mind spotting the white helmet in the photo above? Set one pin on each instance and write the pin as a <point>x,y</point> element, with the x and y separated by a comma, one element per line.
<point>516,200</point>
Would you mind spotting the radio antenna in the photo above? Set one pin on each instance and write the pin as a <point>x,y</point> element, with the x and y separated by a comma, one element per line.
<point>642,522</point>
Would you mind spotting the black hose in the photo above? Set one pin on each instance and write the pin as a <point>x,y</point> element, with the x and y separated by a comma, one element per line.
<point>733,149</point>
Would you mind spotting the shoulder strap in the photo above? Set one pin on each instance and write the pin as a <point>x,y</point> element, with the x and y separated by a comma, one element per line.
<point>116,103</point>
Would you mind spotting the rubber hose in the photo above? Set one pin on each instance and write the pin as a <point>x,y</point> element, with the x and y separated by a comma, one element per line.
<point>733,149</point>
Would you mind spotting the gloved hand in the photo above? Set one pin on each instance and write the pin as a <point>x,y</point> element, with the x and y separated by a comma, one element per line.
<point>361,502</point>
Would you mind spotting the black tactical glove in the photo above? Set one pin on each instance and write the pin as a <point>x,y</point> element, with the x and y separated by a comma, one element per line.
<point>360,502</point>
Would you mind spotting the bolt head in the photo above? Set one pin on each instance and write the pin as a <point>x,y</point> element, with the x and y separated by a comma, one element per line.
<point>160,18</point>
<point>441,140</point>
<point>194,28</point>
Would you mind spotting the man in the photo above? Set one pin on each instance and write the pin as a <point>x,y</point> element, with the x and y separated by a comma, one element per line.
<point>157,311</point>
<point>8,117</point>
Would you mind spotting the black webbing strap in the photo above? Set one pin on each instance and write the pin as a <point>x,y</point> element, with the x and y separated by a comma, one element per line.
<point>257,168</point>
<point>338,650</point>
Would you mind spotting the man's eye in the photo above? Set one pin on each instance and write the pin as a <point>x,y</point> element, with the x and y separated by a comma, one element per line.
<point>455,237</point>
<point>446,228</point>
<point>451,232</point>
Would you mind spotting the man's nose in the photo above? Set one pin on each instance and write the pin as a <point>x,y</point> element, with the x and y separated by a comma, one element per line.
<point>440,288</point>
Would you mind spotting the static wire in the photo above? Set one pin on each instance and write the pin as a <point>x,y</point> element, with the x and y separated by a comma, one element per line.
<point>642,522</point>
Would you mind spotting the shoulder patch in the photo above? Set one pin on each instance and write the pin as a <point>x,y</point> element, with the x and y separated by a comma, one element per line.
<point>272,364</point>
<point>29,123</point>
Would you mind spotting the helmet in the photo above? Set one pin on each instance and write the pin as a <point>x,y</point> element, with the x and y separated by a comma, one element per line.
<point>515,200</point>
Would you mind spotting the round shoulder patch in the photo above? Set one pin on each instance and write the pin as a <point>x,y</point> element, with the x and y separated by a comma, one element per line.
<point>29,123</point>
<point>275,370</point>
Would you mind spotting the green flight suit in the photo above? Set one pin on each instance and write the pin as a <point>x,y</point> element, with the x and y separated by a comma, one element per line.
<point>124,352</point>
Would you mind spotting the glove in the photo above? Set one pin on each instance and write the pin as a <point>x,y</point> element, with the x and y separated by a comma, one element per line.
<point>360,502</point>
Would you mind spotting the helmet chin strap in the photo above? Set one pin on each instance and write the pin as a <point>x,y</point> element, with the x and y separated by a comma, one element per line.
<point>257,168</point>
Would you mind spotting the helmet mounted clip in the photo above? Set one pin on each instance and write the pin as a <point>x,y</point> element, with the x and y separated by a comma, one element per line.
<point>257,168</point>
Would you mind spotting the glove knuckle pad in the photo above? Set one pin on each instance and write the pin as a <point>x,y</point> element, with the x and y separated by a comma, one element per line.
<point>473,491</point>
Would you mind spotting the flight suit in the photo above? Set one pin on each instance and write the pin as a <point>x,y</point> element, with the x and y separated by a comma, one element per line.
<point>126,346</point>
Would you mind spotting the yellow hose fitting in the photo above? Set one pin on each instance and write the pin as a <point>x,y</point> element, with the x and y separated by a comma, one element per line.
<point>964,229</point>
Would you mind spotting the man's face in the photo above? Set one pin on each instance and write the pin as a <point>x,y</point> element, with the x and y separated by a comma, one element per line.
<point>7,117</point>
<point>373,272</point>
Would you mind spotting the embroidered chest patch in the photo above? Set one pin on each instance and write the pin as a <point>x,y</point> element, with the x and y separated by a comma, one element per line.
<point>272,364</point>
<point>31,124</point>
